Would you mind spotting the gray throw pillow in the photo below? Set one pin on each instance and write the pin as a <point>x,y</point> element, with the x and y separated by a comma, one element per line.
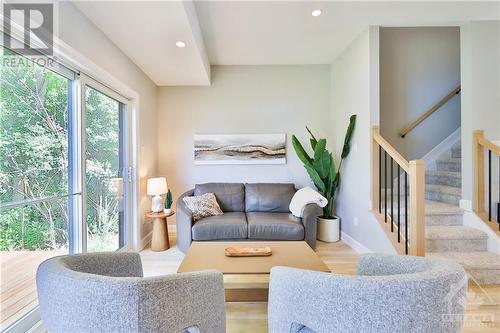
<point>203,206</point>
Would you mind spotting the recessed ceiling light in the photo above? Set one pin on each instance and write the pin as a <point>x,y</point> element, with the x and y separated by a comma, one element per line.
<point>180,44</point>
<point>316,12</point>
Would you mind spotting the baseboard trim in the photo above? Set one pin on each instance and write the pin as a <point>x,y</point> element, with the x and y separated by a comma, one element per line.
<point>466,205</point>
<point>146,240</point>
<point>441,148</point>
<point>354,244</point>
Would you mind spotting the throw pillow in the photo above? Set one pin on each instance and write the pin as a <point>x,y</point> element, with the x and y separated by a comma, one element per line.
<point>203,206</point>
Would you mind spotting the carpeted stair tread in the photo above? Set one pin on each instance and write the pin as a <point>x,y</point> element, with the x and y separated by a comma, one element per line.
<point>441,208</point>
<point>471,260</point>
<point>450,178</point>
<point>453,233</point>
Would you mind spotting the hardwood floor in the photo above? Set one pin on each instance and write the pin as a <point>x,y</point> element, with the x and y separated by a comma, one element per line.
<point>17,283</point>
<point>483,303</point>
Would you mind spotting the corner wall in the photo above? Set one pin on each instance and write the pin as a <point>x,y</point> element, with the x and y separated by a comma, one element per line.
<point>480,62</point>
<point>418,66</point>
<point>354,90</point>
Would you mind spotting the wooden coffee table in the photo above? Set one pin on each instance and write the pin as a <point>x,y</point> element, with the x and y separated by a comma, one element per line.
<point>246,279</point>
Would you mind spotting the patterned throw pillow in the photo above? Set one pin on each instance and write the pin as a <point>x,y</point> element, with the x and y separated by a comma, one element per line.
<point>203,206</point>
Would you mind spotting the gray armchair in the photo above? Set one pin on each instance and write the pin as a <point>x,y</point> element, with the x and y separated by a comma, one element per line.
<point>105,292</point>
<point>391,294</point>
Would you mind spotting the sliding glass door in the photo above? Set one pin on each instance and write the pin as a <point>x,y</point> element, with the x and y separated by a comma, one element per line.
<point>106,161</point>
<point>65,175</point>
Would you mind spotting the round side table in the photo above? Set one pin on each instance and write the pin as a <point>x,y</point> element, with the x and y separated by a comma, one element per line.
<point>159,241</point>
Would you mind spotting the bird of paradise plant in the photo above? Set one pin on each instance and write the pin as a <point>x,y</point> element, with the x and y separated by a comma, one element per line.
<point>321,166</point>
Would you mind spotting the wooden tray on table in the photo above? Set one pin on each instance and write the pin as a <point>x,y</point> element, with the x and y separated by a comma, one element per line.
<point>236,251</point>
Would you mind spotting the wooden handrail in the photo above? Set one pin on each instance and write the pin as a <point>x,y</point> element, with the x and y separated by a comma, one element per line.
<point>481,140</point>
<point>405,130</point>
<point>479,144</point>
<point>416,213</point>
<point>390,150</point>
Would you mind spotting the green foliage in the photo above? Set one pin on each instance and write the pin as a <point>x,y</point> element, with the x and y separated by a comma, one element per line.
<point>34,158</point>
<point>168,200</point>
<point>321,167</point>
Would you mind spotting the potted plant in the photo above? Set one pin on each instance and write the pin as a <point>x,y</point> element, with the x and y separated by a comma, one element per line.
<point>168,203</point>
<point>326,177</point>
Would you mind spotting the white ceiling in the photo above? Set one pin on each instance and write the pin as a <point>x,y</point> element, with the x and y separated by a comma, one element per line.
<point>255,32</point>
<point>147,32</point>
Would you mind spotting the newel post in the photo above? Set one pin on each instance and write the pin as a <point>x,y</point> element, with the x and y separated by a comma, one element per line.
<point>375,170</point>
<point>478,169</point>
<point>417,208</point>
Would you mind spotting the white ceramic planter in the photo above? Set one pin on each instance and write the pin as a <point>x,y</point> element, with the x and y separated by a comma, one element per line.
<point>329,229</point>
<point>167,211</point>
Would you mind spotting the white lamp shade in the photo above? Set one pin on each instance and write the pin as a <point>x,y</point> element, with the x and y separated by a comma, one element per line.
<point>157,186</point>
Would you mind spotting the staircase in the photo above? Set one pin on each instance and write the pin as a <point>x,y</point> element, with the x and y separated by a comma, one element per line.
<point>445,234</point>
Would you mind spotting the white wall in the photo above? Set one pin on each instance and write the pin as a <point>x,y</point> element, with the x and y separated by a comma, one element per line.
<point>242,99</point>
<point>418,66</point>
<point>480,61</point>
<point>84,37</point>
<point>354,87</point>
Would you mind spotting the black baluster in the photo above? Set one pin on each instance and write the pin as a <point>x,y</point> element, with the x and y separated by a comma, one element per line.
<point>385,186</point>
<point>392,197</point>
<point>399,200</point>
<point>489,185</point>
<point>380,179</point>
<point>406,213</point>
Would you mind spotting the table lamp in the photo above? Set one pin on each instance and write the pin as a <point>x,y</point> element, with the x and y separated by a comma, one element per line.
<point>157,187</point>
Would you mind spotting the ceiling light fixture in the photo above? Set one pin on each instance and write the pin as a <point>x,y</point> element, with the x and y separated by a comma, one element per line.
<point>180,44</point>
<point>316,12</point>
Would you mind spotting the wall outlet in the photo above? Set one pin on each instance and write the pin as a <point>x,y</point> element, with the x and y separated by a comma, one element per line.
<point>355,147</point>
<point>355,221</point>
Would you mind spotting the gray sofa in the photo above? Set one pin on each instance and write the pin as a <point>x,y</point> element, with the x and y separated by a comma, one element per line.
<point>105,292</point>
<point>251,212</point>
<point>390,294</point>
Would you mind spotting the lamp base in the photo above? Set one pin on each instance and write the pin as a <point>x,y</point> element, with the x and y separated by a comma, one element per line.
<point>157,204</point>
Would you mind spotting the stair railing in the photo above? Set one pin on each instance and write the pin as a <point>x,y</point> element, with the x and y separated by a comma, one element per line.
<point>404,220</point>
<point>405,130</point>
<point>479,145</point>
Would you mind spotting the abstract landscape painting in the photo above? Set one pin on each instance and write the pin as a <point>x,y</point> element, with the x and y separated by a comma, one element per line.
<point>240,149</point>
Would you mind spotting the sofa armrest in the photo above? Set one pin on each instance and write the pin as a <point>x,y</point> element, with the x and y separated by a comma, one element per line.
<point>184,222</point>
<point>309,220</point>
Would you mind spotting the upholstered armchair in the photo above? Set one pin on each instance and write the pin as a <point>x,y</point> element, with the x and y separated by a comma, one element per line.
<point>106,292</point>
<point>390,294</point>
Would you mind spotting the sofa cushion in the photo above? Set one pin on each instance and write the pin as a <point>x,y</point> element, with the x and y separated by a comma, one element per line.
<point>275,226</point>
<point>231,225</point>
<point>230,196</point>
<point>268,197</point>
